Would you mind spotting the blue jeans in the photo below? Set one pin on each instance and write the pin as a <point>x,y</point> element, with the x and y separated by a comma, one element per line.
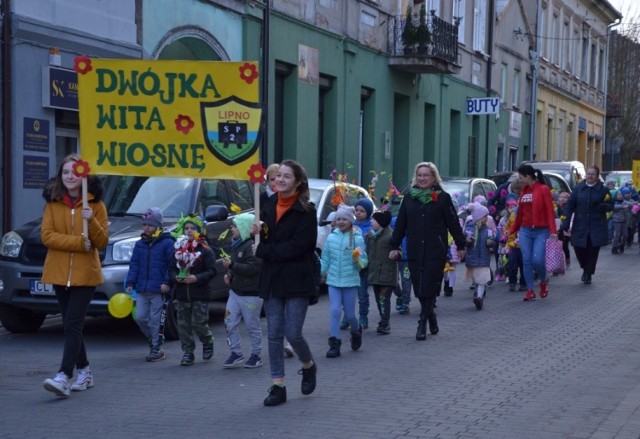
<point>343,298</point>
<point>148,313</point>
<point>285,317</point>
<point>532,246</point>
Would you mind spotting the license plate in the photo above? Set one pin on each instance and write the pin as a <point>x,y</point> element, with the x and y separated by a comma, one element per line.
<point>41,289</point>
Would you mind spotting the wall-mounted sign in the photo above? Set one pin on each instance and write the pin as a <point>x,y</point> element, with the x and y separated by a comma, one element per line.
<point>35,134</point>
<point>308,65</point>
<point>515,124</point>
<point>478,106</point>
<point>35,172</point>
<point>59,88</point>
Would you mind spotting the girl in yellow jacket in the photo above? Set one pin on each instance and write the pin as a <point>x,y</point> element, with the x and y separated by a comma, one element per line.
<point>72,265</point>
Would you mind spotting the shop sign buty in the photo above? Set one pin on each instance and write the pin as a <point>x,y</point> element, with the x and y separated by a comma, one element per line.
<point>172,118</point>
<point>478,106</point>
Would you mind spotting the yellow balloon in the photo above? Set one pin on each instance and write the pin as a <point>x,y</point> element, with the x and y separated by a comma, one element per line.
<point>120,305</point>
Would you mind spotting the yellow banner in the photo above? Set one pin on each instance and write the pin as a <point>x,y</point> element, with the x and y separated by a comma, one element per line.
<point>635,174</point>
<point>169,118</point>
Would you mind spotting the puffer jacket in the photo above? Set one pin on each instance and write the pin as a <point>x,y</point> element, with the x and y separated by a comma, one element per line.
<point>337,258</point>
<point>67,262</point>
<point>149,267</point>
<point>589,206</point>
<point>478,254</point>
<point>382,270</point>
<point>244,270</point>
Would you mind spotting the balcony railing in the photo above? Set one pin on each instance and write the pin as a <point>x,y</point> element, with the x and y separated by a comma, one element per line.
<point>438,55</point>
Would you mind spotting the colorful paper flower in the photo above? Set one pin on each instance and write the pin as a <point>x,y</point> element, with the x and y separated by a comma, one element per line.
<point>81,169</point>
<point>248,72</point>
<point>235,208</point>
<point>82,64</point>
<point>184,123</point>
<point>434,196</point>
<point>490,194</point>
<point>256,173</point>
<point>504,193</point>
<point>356,257</point>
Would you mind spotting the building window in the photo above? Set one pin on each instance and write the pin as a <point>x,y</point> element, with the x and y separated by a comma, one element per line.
<point>503,82</point>
<point>516,89</point>
<point>585,56</point>
<point>575,52</point>
<point>459,11</point>
<point>479,25</point>
<point>434,5</point>
<point>554,41</point>
<point>601,73</point>
<point>593,64</point>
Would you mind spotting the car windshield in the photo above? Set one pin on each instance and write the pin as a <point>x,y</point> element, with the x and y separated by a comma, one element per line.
<point>459,191</point>
<point>129,195</point>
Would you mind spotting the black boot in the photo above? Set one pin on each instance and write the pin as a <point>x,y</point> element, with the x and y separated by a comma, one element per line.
<point>448,291</point>
<point>334,347</point>
<point>433,323</point>
<point>421,333</point>
<point>356,339</point>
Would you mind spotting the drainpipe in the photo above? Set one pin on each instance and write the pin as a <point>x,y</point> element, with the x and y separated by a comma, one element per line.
<point>266,16</point>
<point>606,89</point>
<point>7,113</point>
<point>489,73</point>
<point>535,64</point>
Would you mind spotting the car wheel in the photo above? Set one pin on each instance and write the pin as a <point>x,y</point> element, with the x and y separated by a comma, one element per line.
<point>171,322</point>
<point>20,320</point>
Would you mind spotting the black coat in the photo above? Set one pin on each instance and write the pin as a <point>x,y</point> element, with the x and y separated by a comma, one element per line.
<point>287,251</point>
<point>426,227</point>
<point>589,206</point>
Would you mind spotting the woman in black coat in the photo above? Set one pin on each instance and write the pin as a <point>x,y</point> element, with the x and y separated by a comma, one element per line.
<point>287,245</point>
<point>589,203</point>
<point>426,215</point>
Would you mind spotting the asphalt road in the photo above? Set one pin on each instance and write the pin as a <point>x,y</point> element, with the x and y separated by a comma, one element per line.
<point>564,367</point>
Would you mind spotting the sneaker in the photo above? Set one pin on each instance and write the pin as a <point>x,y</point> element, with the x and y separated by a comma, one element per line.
<point>399,304</point>
<point>156,354</point>
<point>308,384</point>
<point>344,324</point>
<point>356,339</point>
<point>531,295</point>
<point>288,350</point>
<point>364,322</point>
<point>544,290</point>
<point>277,395</point>
<point>383,328</point>
<point>477,301</point>
<point>58,385</point>
<point>84,380</point>
<point>404,309</point>
<point>187,359</point>
<point>207,351</point>
<point>234,360</point>
<point>253,361</point>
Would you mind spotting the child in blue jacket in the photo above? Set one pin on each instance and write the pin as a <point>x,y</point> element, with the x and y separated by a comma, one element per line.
<point>343,256</point>
<point>149,276</point>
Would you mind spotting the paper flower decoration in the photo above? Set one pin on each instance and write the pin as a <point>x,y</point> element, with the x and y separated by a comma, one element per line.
<point>82,64</point>
<point>186,255</point>
<point>256,173</point>
<point>356,257</point>
<point>635,208</point>
<point>235,208</point>
<point>81,169</point>
<point>184,123</point>
<point>248,72</point>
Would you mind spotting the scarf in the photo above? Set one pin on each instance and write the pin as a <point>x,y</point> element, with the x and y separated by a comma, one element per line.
<point>425,196</point>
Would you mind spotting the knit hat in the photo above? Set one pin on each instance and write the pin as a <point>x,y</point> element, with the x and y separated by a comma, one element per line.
<point>625,190</point>
<point>243,223</point>
<point>331,217</point>
<point>478,211</point>
<point>382,217</point>
<point>152,217</point>
<point>511,202</point>
<point>345,212</point>
<point>480,199</point>
<point>366,204</point>
<point>195,221</point>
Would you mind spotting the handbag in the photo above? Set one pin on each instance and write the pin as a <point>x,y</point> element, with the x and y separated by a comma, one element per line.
<point>554,256</point>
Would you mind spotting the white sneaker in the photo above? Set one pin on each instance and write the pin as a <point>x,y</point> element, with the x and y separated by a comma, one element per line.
<point>58,385</point>
<point>84,380</point>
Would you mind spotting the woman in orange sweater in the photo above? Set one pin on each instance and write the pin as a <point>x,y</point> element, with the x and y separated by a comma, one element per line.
<point>72,265</point>
<point>535,223</point>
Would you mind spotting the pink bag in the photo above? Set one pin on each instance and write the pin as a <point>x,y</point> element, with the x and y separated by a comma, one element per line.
<point>554,256</point>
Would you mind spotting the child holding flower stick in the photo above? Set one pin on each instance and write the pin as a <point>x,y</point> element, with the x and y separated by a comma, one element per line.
<point>343,257</point>
<point>192,274</point>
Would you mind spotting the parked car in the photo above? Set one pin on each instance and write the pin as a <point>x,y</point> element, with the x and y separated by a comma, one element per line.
<point>322,194</point>
<point>572,171</point>
<point>555,181</point>
<point>620,177</point>
<point>25,300</point>
<point>462,190</point>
